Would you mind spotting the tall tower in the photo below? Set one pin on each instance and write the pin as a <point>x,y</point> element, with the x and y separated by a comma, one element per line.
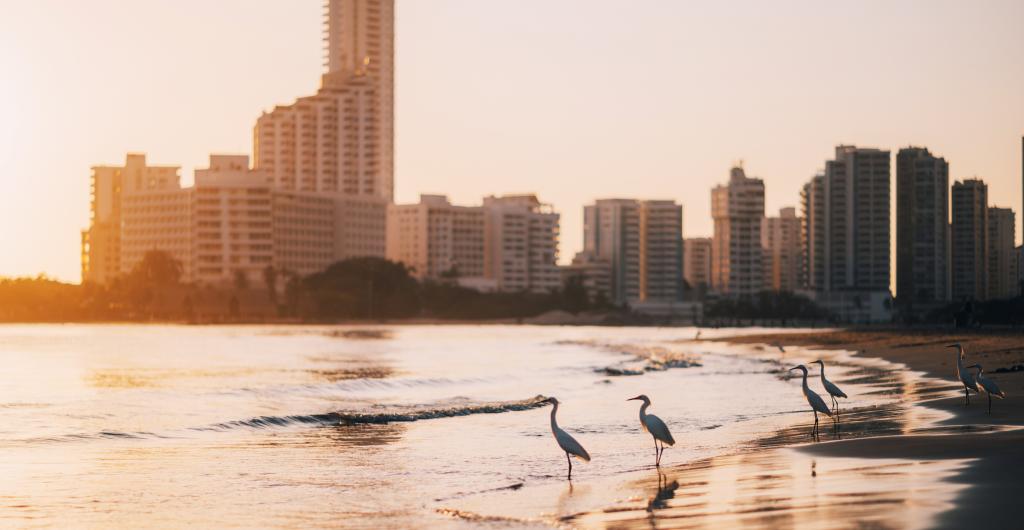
<point>340,140</point>
<point>736,255</point>
<point>969,240</point>
<point>359,45</point>
<point>922,230</point>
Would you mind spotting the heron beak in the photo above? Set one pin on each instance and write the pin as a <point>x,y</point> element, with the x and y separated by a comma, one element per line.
<point>974,366</point>
<point>633,398</point>
<point>952,345</point>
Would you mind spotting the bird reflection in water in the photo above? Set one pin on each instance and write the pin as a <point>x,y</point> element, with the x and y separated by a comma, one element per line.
<point>666,490</point>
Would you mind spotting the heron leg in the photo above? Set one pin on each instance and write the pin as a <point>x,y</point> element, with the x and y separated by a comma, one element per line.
<point>989,402</point>
<point>967,396</point>
<point>657,454</point>
<point>568,459</point>
<point>815,430</point>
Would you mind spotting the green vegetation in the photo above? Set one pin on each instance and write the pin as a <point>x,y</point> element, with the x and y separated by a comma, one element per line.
<point>354,289</point>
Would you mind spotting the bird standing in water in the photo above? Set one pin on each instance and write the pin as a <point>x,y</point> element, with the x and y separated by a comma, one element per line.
<point>987,385</point>
<point>831,388</point>
<point>656,427</point>
<point>964,375</point>
<point>814,400</point>
<point>565,440</point>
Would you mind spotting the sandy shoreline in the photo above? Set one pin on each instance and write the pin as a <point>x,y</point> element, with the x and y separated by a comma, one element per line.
<point>989,442</point>
<point>921,460</point>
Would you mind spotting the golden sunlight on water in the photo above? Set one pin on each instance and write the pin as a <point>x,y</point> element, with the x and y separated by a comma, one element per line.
<point>421,426</point>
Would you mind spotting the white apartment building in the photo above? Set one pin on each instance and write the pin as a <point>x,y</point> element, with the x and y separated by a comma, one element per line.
<point>736,256</point>
<point>134,186</point>
<point>594,274</point>
<point>642,243</point>
<point>231,222</point>
<point>780,239</point>
<point>436,238</point>
<point>340,140</point>
<point>521,243</point>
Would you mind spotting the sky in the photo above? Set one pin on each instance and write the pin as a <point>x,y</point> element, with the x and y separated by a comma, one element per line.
<point>571,99</point>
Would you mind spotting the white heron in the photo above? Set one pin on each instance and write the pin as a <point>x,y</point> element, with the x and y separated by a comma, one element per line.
<point>962,374</point>
<point>987,385</point>
<point>779,346</point>
<point>657,428</point>
<point>565,440</point>
<point>830,387</point>
<point>814,400</point>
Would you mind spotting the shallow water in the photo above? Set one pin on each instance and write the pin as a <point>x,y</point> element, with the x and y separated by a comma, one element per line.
<point>384,426</point>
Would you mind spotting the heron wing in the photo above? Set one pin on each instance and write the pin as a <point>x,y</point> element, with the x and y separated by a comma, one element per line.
<point>571,446</point>
<point>659,430</point>
<point>833,389</point>
<point>991,387</point>
<point>817,403</point>
<point>968,380</point>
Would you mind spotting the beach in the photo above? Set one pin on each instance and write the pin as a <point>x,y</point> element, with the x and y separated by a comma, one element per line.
<point>988,443</point>
<point>392,426</point>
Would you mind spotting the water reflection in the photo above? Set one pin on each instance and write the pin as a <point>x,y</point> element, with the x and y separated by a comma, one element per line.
<point>771,489</point>
<point>666,490</point>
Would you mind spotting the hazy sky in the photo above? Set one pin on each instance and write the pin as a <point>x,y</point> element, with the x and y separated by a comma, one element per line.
<point>572,99</point>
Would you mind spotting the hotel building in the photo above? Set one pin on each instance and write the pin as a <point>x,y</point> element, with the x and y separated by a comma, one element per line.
<point>922,230</point>
<point>736,255</point>
<point>969,245</point>
<point>697,263</point>
<point>436,238</point>
<point>780,240</point>
<point>641,242</point>
<point>1002,254</point>
<point>340,140</point>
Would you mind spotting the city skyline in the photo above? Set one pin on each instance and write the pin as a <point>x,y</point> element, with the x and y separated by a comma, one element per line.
<point>485,150</point>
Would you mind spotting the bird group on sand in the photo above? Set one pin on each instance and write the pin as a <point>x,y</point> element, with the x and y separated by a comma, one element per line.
<point>648,422</point>
<point>814,400</point>
<point>977,382</point>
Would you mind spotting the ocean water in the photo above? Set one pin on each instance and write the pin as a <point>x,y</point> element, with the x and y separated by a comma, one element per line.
<point>376,427</point>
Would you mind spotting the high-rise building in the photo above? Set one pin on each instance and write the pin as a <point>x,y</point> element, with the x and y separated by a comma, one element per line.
<point>521,244</point>
<point>969,245</point>
<point>922,230</point>
<point>780,239</point>
<point>857,220</point>
<point>845,235</point>
<point>611,232</point>
<point>813,234</point>
<point>697,266</point>
<point>642,243</point>
<point>736,256</point>
<point>1002,258</point>
<point>436,238</point>
<point>102,241</point>
<point>341,139</point>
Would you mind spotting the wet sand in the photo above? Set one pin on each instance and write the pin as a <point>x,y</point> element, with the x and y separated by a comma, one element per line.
<point>923,460</point>
<point>985,448</point>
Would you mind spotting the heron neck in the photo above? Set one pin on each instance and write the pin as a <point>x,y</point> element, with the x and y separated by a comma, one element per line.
<point>822,372</point>
<point>554,422</point>
<point>805,379</point>
<point>643,410</point>
<point>959,362</point>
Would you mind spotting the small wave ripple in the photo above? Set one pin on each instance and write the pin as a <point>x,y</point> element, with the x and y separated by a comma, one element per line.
<point>383,417</point>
